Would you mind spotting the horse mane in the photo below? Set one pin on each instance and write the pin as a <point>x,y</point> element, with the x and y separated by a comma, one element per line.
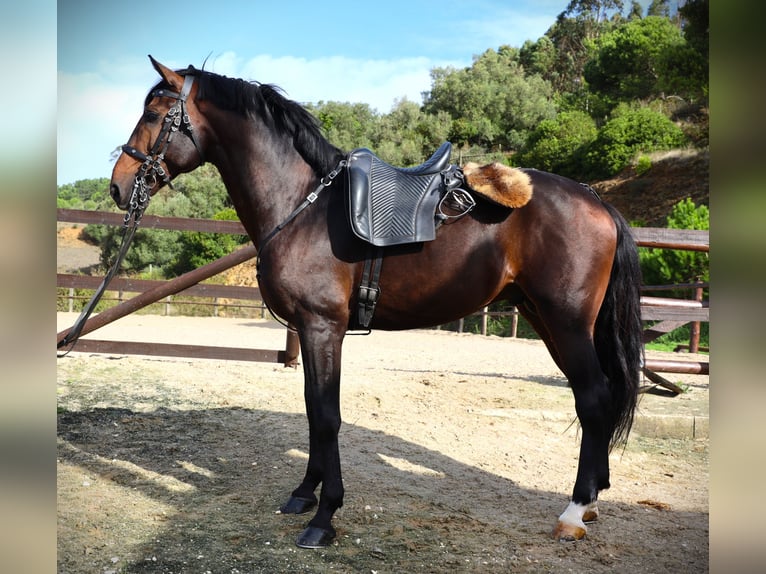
<point>268,103</point>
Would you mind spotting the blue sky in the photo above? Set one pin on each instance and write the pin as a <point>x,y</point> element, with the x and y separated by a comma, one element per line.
<point>371,52</point>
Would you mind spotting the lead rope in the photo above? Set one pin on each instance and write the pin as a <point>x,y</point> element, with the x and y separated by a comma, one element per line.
<point>138,202</point>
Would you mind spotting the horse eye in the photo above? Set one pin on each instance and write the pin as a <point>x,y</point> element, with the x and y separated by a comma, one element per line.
<point>150,117</point>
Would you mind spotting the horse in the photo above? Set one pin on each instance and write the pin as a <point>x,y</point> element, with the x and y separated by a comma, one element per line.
<point>566,260</point>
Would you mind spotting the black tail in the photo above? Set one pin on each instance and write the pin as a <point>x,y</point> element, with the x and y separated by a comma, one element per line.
<point>618,336</point>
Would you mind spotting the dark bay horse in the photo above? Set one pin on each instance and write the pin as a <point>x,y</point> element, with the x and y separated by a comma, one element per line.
<point>565,259</point>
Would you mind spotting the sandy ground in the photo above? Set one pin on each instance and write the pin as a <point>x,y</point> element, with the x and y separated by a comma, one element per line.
<point>458,451</point>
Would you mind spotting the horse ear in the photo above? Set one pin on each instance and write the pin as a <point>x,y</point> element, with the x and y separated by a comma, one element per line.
<point>175,80</point>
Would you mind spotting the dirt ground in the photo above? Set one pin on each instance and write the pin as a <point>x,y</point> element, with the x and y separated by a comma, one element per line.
<point>458,454</point>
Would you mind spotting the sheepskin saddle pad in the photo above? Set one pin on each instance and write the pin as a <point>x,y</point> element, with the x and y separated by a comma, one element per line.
<point>506,186</point>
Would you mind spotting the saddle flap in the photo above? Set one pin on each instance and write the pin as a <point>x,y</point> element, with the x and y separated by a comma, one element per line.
<point>390,205</point>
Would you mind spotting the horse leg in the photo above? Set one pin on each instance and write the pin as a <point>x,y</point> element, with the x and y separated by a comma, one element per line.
<point>321,352</point>
<point>580,364</point>
<point>574,353</point>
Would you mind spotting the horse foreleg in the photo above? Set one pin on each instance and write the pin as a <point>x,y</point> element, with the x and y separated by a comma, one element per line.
<point>321,352</point>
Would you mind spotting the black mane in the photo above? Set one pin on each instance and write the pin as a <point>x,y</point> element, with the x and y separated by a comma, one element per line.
<point>281,114</point>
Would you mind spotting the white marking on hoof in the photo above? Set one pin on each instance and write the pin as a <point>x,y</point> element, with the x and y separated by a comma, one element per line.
<point>571,524</point>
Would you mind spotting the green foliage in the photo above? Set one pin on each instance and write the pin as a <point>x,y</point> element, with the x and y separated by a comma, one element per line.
<point>197,249</point>
<point>643,164</point>
<point>348,126</point>
<point>644,58</point>
<point>696,16</point>
<point>90,194</point>
<point>558,145</point>
<point>675,266</point>
<point>405,136</point>
<point>672,266</point>
<point>492,103</point>
<point>630,131</point>
<point>198,194</point>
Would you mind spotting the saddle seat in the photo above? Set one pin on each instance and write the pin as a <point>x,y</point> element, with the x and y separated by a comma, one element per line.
<point>434,164</point>
<point>391,205</point>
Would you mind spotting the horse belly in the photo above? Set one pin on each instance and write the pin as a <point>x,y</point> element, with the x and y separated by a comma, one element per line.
<point>433,289</point>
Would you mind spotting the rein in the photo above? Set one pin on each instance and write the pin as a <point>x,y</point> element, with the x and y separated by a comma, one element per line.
<point>326,181</point>
<point>145,180</point>
<point>138,202</point>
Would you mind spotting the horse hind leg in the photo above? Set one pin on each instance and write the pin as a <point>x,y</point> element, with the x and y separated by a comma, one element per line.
<point>583,371</point>
<point>577,358</point>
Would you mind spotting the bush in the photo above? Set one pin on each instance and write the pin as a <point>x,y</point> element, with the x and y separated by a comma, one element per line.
<point>558,145</point>
<point>670,266</point>
<point>629,132</point>
<point>674,266</point>
<point>643,164</point>
<point>197,249</point>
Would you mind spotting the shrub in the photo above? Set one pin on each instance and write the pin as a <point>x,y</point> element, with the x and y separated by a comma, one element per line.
<point>643,164</point>
<point>673,266</point>
<point>629,132</point>
<point>557,145</point>
<point>197,249</point>
<point>669,266</point>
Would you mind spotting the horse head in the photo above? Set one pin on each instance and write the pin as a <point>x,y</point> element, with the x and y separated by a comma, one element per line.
<point>168,140</point>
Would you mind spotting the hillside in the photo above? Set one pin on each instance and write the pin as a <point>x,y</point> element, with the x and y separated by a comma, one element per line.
<point>649,198</point>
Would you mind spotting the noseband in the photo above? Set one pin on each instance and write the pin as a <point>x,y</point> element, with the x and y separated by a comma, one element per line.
<point>151,167</point>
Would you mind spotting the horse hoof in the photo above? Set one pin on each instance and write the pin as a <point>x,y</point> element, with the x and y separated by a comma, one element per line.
<point>297,505</point>
<point>568,532</point>
<point>314,537</point>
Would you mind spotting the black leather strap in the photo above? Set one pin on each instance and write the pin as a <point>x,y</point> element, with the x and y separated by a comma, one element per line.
<point>369,288</point>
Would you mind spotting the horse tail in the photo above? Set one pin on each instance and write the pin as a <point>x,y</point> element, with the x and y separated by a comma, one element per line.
<point>618,332</point>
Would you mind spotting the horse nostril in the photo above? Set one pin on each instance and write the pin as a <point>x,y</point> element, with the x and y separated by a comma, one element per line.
<point>114,191</point>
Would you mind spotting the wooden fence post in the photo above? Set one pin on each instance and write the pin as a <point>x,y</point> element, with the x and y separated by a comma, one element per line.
<point>514,322</point>
<point>292,348</point>
<point>694,339</point>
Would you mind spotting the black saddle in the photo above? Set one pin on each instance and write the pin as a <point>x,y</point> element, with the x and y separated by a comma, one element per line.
<point>392,205</point>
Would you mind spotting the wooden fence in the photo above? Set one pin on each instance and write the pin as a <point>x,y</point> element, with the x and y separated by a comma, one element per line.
<point>670,313</point>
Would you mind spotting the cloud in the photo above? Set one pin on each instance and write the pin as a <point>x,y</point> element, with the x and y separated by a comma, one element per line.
<point>97,111</point>
<point>375,82</point>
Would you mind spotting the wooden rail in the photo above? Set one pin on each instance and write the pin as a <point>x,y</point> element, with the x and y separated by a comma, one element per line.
<point>153,291</point>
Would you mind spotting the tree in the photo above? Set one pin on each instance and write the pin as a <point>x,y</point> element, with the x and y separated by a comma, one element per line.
<point>635,11</point>
<point>573,35</point>
<point>695,17</point>
<point>347,125</point>
<point>539,58</point>
<point>493,102</point>
<point>639,59</point>
<point>90,194</point>
<point>659,8</point>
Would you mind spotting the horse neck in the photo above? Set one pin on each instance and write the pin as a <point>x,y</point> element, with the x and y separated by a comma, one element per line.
<point>265,176</point>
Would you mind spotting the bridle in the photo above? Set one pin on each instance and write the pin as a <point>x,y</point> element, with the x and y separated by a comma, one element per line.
<point>151,169</point>
<point>146,178</point>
